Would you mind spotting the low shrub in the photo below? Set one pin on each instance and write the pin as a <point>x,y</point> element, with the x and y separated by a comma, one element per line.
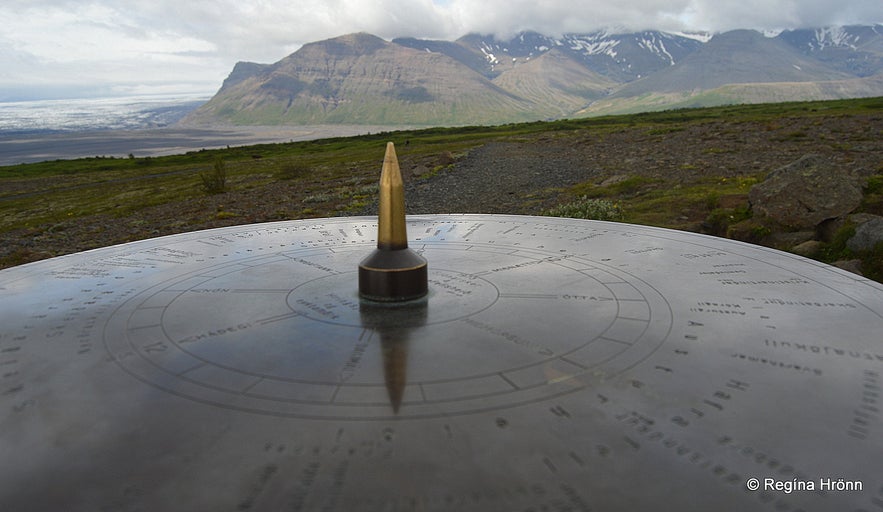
<point>215,182</point>
<point>586,208</point>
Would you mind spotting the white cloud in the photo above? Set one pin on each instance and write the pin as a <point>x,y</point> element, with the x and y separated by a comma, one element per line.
<point>198,41</point>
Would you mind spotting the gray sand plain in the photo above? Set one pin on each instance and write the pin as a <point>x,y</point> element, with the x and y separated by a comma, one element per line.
<point>17,148</point>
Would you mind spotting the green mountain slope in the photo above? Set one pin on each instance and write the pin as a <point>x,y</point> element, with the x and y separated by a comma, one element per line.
<point>362,79</point>
<point>739,94</point>
<point>555,83</point>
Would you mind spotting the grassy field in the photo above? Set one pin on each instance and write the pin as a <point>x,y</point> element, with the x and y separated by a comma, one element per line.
<point>41,202</point>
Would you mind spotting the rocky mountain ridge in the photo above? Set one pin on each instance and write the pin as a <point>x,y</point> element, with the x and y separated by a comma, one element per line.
<point>363,79</point>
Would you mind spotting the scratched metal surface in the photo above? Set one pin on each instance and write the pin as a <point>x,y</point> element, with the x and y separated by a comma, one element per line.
<point>556,365</point>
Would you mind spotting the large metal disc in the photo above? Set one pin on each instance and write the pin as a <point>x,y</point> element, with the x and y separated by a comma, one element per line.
<point>554,365</point>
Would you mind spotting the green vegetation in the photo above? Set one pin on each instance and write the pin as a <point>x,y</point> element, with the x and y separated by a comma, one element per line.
<point>215,182</point>
<point>657,202</point>
<point>585,208</point>
<point>873,200</point>
<point>337,176</point>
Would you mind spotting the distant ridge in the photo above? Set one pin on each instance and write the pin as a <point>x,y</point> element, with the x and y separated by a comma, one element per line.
<point>363,79</point>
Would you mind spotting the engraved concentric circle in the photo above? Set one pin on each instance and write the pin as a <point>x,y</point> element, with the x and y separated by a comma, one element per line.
<point>286,334</point>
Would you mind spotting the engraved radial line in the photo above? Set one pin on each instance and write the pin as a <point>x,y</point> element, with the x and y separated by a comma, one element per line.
<point>252,385</point>
<point>503,376</point>
<point>333,397</point>
<point>194,367</point>
<point>269,320</point>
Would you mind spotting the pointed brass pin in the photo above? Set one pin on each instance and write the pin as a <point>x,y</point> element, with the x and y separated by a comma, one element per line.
<point>392,272</point>
<point>391,231</point>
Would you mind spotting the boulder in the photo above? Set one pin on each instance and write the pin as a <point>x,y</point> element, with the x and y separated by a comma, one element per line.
<point>805,193</point>
<point>788,240</point>
<point>860,218</point>
<point>808,248</point>
<point>446,158</point>
<point>854,266</point>
<point>867,235</point>
<point>419,170</point>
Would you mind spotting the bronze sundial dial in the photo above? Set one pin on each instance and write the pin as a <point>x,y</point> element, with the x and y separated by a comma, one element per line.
<point>552,364</point>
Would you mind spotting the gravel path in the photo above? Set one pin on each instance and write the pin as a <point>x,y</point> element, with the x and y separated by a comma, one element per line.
<point>526,177</point>
<point>500,177</point>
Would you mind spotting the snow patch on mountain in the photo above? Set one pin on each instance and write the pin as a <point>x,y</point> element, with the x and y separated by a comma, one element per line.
<point>488,52</point>
<point>836,37</point>
<point>702,37</point>
<point>591,46</point>
<point>656,46</point>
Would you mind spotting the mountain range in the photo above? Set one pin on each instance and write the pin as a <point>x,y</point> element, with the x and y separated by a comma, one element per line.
<point>363,79</point>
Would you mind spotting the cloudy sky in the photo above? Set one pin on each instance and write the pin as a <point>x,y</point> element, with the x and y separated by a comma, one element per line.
<point>86,47</point>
